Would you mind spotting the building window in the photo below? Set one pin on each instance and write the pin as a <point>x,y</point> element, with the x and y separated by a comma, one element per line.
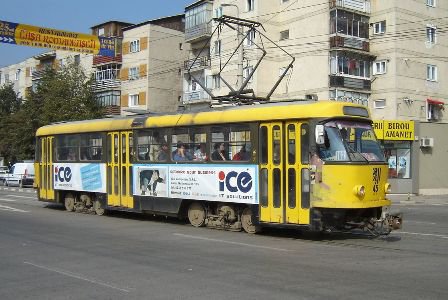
<point>218,12</point>
<point>433,109</point>
<point>379,67</point>
<point>250,5</point>
<point>246,73</point>
<point>197,15</point>
<point>431,34</point>
<point>431,3</point>
<point>398,156</point>
<point>108,98</point>
<point>77,59</point>
<point>284,35</point>
<point>6,78</point>
<point>349,23</point>
<point>133,73</point>
<point>218,47</point>
<point>216,81</point>
<point>17,77</point>
<point>431,73</point>
<point>133,100</point>
<point>379,27</point>
<point>134,46</point>
<point>250,38</point>
<point>340,64</point>
<point>379,103</point>
<point>101,31</point>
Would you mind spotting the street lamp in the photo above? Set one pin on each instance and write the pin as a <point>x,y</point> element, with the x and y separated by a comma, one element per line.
<point>240,50</point>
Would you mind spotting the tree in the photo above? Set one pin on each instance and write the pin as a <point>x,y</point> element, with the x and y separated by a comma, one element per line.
<point>9,105</point>
<point>61,95</point>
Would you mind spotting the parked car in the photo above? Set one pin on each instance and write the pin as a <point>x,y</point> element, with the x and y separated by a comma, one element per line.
<point>3,173</point>
<point>21,174</point>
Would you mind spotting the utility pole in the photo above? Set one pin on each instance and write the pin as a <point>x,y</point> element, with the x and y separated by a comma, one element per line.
<point>240,50</point>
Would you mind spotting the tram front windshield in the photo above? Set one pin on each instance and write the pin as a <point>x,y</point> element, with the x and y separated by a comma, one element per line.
<point>350,141</point>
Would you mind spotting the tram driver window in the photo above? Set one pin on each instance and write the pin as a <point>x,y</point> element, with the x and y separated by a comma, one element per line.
<point>231,143</point>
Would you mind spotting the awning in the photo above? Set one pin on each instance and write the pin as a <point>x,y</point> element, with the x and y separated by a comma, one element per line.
<point>435,102</point>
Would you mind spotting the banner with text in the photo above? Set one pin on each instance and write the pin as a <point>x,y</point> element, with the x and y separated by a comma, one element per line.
<point>41,37</point>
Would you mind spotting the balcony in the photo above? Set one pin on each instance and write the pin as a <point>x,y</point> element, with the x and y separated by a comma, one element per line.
<point>195,96</point>
<point>106,84</point>
<point>198,32</point>
<point>200,63</point>
<point>355,5</point>
<point>350,82</point>
<point>349,42</point>
<point>103,60</point>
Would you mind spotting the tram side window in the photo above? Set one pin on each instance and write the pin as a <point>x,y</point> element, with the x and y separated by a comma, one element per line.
<point>231,143</point>
<point>188,144</point>
<point>67,148</point>
<point>91,148</point>
<point>152,145</point>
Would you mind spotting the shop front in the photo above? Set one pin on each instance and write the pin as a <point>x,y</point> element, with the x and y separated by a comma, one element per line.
<point>401,148</point>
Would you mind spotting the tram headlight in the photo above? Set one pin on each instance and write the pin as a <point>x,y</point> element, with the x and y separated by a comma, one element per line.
<point>387,188</point>
<point>359,190</point>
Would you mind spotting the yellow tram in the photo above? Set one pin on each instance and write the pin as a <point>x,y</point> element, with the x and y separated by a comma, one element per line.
<point>310,164</point>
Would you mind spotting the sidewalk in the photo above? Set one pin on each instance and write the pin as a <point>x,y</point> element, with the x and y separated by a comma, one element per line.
<point>418,199</point>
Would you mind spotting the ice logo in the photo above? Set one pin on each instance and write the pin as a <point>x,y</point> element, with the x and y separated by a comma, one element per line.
<point>235,181</point>
<point>62,174</point>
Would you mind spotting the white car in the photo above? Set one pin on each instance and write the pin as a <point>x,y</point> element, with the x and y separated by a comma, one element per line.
<point>21,174</point>
<point>3,173</point>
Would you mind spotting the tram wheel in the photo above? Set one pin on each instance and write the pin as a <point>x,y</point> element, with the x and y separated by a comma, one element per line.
<point>69,202</point>
<point>196,214</point>
<point>247,221</point>
<point>99,210</point>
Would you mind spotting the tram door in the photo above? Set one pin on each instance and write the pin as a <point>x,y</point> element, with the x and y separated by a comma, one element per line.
<point>44,168</point>
<point>284,179</point>
<point>119,169</point>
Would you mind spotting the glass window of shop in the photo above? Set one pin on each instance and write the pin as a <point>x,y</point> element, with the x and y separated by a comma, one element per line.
<point>398,155</point>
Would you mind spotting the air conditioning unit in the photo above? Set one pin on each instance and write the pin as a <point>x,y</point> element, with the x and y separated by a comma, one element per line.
<point>426,142</point>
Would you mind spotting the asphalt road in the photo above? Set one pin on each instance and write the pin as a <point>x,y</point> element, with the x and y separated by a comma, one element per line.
<point>48,253</point>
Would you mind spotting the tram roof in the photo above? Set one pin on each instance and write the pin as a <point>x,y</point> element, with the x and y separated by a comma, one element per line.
<point>234,114</point>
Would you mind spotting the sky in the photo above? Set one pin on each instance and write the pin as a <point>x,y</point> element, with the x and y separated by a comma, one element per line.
<point>78,16</point>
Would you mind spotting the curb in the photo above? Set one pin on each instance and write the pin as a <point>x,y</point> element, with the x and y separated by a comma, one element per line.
<point>13,189</point>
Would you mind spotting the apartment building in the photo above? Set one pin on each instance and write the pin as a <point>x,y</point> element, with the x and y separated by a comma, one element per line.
<point>153,56</point>
<point>386,55</point>
<point>106,69</point>
<point>26,74</point>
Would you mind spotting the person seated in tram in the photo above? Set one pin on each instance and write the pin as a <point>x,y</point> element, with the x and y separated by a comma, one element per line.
<point>219,152</point>
<point>180,154</point>
<point>242,154</point>
<point>199,154</point>
<point>163,153</point>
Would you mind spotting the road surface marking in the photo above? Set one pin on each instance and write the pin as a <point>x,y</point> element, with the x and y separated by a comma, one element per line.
<point>229,242</point>
<point>77,276</point>
<point>423,234</point>
<point>8,208</point>
<point>7,200</point>
<point>420,222</point>
<point>17,196</point>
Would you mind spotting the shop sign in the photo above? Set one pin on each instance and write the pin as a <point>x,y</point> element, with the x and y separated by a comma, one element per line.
<point>394,130</point>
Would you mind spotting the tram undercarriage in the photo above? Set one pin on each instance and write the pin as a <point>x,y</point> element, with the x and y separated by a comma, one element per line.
<point>226,216</point>
<point>376,221</point>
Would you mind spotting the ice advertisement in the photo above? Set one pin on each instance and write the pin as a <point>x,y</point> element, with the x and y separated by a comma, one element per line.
<point>212,182</point>
<point>80,177</point>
